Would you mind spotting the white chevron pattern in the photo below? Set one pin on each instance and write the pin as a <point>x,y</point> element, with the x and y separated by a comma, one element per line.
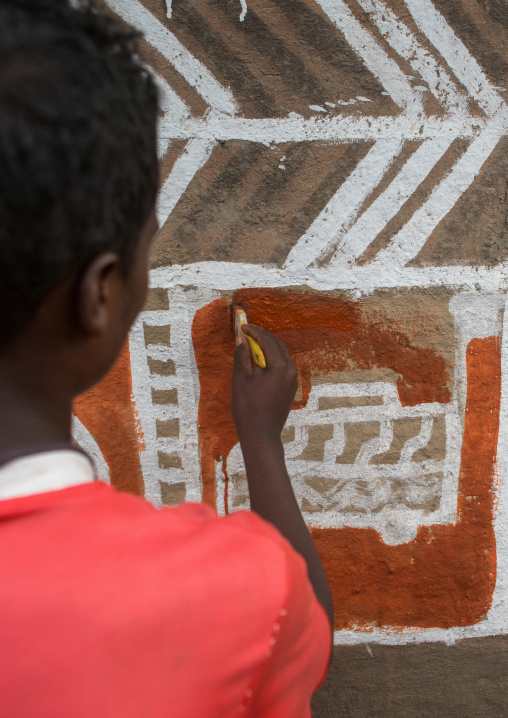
<point>344,230</point>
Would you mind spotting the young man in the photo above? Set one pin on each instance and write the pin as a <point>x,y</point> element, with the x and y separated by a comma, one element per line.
<point>109,607</point>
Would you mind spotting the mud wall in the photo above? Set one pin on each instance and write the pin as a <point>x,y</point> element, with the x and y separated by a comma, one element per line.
<point>338,167</point>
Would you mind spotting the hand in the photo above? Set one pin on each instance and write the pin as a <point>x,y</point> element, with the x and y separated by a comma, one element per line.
<point>260,402</point>
<point>261,398</point>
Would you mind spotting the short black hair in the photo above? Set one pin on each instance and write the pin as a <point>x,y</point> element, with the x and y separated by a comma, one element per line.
<point>78,160</point>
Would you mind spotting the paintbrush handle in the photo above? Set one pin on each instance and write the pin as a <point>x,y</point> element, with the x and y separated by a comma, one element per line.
<point>256,352</point>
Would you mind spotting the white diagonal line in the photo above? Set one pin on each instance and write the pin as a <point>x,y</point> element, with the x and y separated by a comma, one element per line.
<point>376,446</point>
<point>410,239</point>
<point>344,206</point>
<point>169,101</point>
<point>163,140</point>
<point>375,58</point>
<point>376,217</point>
<point>465,67</point>
<point>417,442</point>
<point>403,41</point>
<point>194,156</point>
<point>174,109</point>
<point>196,74</point>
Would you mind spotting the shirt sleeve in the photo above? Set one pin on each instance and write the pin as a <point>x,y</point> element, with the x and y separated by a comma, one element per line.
<point>298,650</point>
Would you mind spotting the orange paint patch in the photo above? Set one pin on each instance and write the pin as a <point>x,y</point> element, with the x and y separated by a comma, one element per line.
<point>325,334</point>
<point>213,339</point>
<point>108,413</point>
<point>446,575</point>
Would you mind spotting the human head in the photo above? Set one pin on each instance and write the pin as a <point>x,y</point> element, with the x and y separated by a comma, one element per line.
<point>78,158</point>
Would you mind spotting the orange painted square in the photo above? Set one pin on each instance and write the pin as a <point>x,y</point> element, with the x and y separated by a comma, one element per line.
<point>443,578</point>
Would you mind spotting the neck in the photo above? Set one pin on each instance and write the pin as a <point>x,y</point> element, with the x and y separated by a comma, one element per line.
<point>33,410</point>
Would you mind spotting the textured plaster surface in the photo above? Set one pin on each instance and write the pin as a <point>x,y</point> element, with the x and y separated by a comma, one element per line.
<point>466,680</point>
<point>339,167</point>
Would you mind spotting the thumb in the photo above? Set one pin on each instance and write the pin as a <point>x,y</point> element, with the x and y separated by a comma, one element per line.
<point>243,361</point>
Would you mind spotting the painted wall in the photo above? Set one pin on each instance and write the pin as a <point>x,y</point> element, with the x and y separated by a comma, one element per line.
<point>338,167</point>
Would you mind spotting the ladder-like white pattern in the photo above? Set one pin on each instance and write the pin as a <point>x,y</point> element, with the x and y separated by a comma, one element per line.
<point>171,454</point>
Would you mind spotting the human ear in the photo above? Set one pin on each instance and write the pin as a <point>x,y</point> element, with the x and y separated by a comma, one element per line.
<point>98,294</point>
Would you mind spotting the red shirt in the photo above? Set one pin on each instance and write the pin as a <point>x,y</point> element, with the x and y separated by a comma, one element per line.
<point>114,609</point>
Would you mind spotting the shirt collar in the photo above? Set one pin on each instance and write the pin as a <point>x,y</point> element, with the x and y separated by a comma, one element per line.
<point>45,471</point>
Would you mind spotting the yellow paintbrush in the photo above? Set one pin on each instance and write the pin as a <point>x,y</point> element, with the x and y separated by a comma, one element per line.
<point>256,352</point>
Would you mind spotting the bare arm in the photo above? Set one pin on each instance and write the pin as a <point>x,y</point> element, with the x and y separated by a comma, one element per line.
<point>260,402</point>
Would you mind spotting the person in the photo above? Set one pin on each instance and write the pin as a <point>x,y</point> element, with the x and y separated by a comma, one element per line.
<point>108,606</point>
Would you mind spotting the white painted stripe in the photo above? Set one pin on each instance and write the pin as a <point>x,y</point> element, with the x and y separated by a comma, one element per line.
<point>498,615</point>
<point>375,446</point>
<point>158,351</point>
<point>465,67</point>
<point>162,144</point>
<point>156,318</point>
<point>376,217</point>
<point>417,442</point>
<point>404,42</point>
<point>168,444</point>
<point>196,74</point>
<point>166,411</point>
<point>410,239</point>
<point>344,206</point>
<point>364,413</point>
<point>181,342</point>
<point>364,280</point>
<point>169,101</point>
<point>164,382</point>
<point>141,392</point>
<point>375,58</point>
<point>399,637</point>
<point>194,156</point>
<point>174,109</point>
<point>321,128</point>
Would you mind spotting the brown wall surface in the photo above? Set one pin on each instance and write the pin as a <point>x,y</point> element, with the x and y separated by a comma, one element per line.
<point>428,680</point>
<point>339,167</point>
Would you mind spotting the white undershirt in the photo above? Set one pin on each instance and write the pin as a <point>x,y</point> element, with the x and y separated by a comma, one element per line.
<point>46,471</point>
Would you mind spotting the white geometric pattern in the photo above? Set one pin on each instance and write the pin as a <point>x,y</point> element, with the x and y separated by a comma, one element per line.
<point>342,231</point>
<point>325,256</point>
<point>361,493</point>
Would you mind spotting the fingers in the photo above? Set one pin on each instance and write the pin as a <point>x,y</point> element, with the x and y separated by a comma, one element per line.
<point>274,349</point>
<point>243,361</point>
